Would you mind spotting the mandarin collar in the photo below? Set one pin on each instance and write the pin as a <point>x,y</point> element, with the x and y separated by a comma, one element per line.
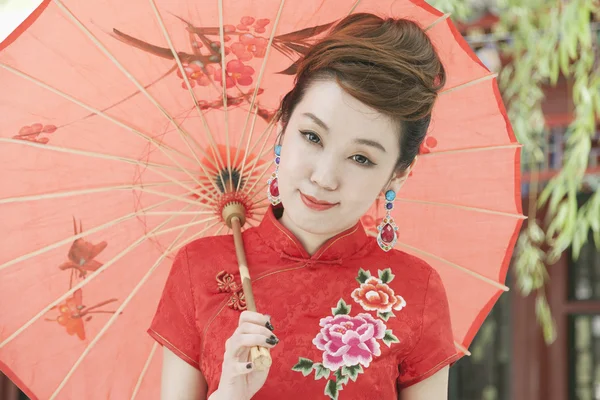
<point>342,246</point>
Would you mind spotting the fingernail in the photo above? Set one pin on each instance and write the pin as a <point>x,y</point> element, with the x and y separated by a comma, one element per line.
<point>272,340</point>
<point>269,326</point>
<point>249,365</point>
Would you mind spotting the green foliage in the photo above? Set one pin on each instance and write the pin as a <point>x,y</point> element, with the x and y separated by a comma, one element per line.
<point>549,39</point>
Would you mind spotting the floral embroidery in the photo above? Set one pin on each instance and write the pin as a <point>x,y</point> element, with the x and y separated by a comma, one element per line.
<point>375,295</point>
<point>226,284</point>
<point>349,343</point>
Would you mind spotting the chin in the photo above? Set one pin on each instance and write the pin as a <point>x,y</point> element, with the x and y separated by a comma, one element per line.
<point>315,222</point>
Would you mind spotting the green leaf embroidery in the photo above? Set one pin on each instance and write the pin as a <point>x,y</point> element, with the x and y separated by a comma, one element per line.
<point>363,276</point>
<point>353,371</point>
<point>386,275</point>
<point>385,315</point>
<point>342,308</point>
<point>390,338</point>
<point>340,378</point>
<point>304,365</point>
<point>321,371</point>
<point>331,390</point>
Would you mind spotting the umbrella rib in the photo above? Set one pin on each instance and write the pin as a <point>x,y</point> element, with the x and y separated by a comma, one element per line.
<point>258,169</point>
<point>179,213</point>
<point>354,7</point>
<point>88,153</point>
<point>120,66</point>
<point>110,157</point>
<point>175,197</point>
<point>247,147</point>
<point>207,131</point>
<point>260,76</point>
<point>514,145</point>
<point>199,234</point>
<point>71,239</point>
<point>462,348</point>
<point>189,224</point>
<point>78,192</point>
<point>260,154</point>
<point>257,192</point>
<point>477,275</point>
<point>259,179</point>
<point>467,208</point>
<point>224,91</point>
<point>87,280</point>
<point>265,131</point>
<point>437,21</point>
<point>119,310</point>
<point>91,109</point>
<point>492,282</point>
<point>138,383</point>
<point>469,83</point>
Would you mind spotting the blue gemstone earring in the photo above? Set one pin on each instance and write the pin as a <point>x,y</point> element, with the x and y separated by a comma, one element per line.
<point>387,236</point>
<point>273,183</point>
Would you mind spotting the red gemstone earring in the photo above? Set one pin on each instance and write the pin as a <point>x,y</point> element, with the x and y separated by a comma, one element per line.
<point>387,237</point>
<point>273,183</point>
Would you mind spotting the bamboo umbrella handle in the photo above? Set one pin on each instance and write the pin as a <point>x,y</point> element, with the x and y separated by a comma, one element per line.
<point>234,217</point>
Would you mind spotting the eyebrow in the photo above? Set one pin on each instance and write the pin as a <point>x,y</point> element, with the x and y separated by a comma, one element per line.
<point>317,120</point>
<point>371,143</point>
<point>366,142</point>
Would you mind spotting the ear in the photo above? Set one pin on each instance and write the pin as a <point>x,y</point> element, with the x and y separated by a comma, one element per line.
<point>399,177</point>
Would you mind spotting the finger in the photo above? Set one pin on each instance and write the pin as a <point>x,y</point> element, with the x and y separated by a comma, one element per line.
<point>244,341</point>
<point>248,327</point>
<point>243,368</point>
<point>254,318</point>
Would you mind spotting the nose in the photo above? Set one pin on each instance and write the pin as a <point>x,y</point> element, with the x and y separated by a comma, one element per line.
<point>326,173</point>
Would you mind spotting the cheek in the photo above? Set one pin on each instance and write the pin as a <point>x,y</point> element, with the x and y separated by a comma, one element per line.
<point>361,190</point>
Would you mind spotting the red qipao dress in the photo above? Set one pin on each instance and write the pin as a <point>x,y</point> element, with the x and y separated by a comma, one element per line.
<point>353,321</point>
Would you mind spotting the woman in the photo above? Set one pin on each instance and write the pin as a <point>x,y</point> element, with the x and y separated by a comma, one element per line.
<point>346,319</point>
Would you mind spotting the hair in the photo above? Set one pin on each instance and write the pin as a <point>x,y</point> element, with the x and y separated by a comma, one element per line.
<point>389,65</point>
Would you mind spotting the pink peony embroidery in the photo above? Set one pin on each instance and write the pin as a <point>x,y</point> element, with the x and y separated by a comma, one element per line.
<point>347,341</point>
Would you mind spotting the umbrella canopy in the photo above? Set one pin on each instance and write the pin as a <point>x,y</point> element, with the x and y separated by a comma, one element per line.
<point>126,126</point>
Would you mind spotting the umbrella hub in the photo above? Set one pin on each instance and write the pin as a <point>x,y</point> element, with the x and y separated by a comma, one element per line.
<point>227,181</point>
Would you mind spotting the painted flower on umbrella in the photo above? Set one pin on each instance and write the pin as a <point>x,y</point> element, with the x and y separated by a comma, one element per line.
<point>347,341</point>
<point>249,46</point>
<point>236,73</point>
<point>73,312</point>
<point>82,254</point>
<point>196,75</point>
<point>428,144</point>
<point>32,133</point>
<point>246,23</point>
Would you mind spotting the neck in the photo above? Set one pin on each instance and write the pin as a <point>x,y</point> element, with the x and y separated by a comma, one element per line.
<point>310,241</point>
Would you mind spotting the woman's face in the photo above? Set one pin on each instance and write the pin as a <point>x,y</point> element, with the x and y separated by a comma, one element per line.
<point>337,156</point>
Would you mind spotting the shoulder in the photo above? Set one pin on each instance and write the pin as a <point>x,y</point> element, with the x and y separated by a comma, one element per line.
<point>412,268</point>
<point>414,277</point>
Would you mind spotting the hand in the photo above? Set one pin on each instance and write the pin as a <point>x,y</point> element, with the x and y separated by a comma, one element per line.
<point>239,379</point>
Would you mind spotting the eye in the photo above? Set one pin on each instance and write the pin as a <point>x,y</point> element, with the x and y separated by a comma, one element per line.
<point>362,160</point>
<point>311,137</point>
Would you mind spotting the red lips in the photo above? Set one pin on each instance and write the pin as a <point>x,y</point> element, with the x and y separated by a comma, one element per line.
<point>316,204</point>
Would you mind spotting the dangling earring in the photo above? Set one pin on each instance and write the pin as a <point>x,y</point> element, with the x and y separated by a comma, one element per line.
<point>273,182</point>
<point>387,237</point>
